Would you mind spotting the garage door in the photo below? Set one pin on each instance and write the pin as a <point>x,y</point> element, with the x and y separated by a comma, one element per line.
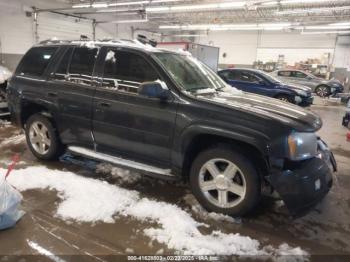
<point>62,27</point>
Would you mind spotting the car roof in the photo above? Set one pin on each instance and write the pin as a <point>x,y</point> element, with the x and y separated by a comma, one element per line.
<point>241,69</point>
<point>133,44</point>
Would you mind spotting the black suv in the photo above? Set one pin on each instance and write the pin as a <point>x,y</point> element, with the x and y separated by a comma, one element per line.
<point>168,114</point>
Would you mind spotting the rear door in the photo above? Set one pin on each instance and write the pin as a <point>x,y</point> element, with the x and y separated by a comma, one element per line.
<point>302,78</point>
<point>285,75</point>
<point>72,88</point>
<point>125,123</point>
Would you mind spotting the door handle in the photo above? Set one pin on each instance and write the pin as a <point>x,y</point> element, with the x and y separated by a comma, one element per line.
<point>52,94</point>
<point>103,104</point>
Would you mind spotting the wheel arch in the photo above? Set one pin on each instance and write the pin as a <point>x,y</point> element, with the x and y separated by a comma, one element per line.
<point>197,142</point>
<point>29,108</point>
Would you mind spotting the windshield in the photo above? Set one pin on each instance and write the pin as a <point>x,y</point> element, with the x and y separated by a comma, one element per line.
<point>189,73</point>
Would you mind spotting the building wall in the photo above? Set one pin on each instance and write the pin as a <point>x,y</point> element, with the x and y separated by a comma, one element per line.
<point>17,30</point>
<point>244,48</point>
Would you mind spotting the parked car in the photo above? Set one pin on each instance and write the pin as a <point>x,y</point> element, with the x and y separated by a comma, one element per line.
<point>5,75</point>
<point>170,116</point>
<point>346,117</point>
<point>259,82</point>
<point>319,86</point>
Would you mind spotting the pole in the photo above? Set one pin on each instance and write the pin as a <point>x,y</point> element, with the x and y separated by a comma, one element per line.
<point>94,29</point>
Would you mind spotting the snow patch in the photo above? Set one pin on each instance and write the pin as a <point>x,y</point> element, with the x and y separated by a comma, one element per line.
<point>110,56</point>
<point>13,140</point>
<point>123,176</point>
<point>4,123</point>
<point>89,200</point>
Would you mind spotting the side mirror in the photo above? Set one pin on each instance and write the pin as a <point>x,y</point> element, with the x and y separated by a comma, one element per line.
<point>154,90</point>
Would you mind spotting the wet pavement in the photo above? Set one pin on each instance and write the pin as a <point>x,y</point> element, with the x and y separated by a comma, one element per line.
<point>324,231</point>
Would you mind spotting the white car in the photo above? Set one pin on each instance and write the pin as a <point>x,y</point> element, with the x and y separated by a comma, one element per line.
<point>5,75</point>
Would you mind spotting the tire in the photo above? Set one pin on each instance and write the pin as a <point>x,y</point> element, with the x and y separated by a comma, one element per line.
<point>42,138</point>
<point>284,98</point>
<point>244,181</point>
<point>323,91</point>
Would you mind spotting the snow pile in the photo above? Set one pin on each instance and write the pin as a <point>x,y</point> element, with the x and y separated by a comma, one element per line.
<point>4,123</point>
<point>123,176</point>
<point>89,200</point>
<point>13,140</point>
<point>204,214</point>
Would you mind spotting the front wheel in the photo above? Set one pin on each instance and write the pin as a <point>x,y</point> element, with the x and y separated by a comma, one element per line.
<point>42,138</point>
<point>224,181</point>
<point>323,91</point>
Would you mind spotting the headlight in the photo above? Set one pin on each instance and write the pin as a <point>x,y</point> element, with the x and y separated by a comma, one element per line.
<point>301,92</point>
<point>302,145</point>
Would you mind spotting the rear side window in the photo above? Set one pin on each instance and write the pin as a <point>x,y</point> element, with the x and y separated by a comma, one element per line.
<point>284,73</point>
<point>77,65</point>
<point>125,71</point>
<point>248,77</point>
<point>299,74</point>
<point>36,60</point>
<point>83,61</point>
<point>62,70</point>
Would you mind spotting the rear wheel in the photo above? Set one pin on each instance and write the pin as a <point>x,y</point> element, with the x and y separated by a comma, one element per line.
<point>42,138</point>
<point>224,181</point>
<point>323,91</point>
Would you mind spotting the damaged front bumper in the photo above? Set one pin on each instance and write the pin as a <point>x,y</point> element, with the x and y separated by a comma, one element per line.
<point>4,111</point>
<point>301,185</point>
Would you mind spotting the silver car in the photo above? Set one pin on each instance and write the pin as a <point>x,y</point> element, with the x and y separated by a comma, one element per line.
<point>319,86</point>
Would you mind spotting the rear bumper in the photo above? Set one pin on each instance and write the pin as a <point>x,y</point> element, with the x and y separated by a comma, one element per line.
<point>303,184</point>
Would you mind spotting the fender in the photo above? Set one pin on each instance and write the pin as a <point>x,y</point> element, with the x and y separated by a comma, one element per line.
<point>242,134</point>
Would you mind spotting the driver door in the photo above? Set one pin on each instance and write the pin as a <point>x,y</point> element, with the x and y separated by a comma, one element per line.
<point>125,123</point>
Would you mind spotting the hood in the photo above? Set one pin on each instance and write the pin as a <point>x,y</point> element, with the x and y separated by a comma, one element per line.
<point>296,87</point>
<point>268,108</point>
<point>328,82</point>
<point>332,82</point>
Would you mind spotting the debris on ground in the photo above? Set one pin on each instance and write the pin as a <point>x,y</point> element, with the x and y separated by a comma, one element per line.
<point>10,200</point>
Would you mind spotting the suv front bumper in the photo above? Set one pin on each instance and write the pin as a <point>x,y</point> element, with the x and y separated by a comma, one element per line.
<point>305,183</point>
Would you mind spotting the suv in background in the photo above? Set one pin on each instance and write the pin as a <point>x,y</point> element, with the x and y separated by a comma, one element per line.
<point>169,115</point>
<point>319,86</point>
<point>259,82</point>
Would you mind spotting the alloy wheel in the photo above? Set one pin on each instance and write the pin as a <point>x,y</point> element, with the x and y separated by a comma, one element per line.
<point>322,91</point>
<point>222,183</point>
<point>39,137</point>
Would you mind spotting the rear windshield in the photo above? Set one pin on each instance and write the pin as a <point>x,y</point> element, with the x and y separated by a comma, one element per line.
<point>36,60</point>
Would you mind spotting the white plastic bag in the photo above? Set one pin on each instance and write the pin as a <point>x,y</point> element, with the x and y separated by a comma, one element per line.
<point>10,200</point>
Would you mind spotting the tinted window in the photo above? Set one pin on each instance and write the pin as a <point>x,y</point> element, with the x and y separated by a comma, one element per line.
<point>36,60</point>
<point>83,61</point>
<point>126,71</point>
<point>299,74</point>
<point>284,73</point>
<point>62,70</point>
<point>248,77</point>
<point>229,75</point>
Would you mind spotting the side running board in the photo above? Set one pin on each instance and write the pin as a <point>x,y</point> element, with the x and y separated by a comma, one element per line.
<point>120,161</point>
